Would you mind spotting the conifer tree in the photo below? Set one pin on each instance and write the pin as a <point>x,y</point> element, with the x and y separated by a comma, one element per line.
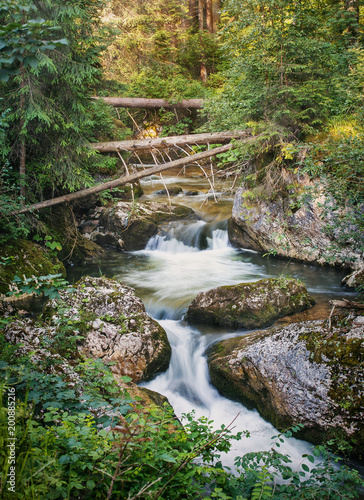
<point>46,94</point>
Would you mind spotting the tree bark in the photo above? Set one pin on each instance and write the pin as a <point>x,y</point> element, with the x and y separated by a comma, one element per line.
<point>22,162</point>
<point>192,11</point>
<point>136,102</point>
<point>209,17</point>
<point>127,179</point>
<point>200,15</point>
<point>215,14</point>
<point>201,27</point>
<point>162,142</point>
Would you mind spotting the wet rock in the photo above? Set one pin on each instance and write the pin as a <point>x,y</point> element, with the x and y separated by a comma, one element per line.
<point>111,322</point>
<point>250,305</point>
<point>87,226</point>
<point>273,225</point>
<point>301,373</point>
<point>172,191</point>
<point>131,226</point>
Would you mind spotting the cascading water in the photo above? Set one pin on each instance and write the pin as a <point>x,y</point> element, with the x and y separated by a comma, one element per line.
<point>181,263</point>
<point>168,274</point>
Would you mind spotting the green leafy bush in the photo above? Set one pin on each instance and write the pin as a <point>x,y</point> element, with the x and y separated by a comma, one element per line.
<point>83,435</point>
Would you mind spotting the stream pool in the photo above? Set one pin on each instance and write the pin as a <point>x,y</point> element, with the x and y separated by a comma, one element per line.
<point>184,259</point>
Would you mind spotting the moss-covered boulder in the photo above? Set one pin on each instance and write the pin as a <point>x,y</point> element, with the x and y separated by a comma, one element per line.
<point>129,226</point>
<point>99,318</point>
<point>250,305</point>
<point>26,259</point>
<point>284,222</point>
<point>41,342</point>
<point>115,327</point>
<point>304,373</point>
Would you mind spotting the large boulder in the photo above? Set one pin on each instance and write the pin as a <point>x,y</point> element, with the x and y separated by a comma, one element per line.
<point>111,323</point>
<point>290,228</point>
<point>129,226</point>
<point>250,305</point>
<point>38,342</point>
<point>308,373</point>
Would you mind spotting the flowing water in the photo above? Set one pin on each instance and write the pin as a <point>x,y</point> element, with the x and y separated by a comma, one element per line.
<point>187,258</point>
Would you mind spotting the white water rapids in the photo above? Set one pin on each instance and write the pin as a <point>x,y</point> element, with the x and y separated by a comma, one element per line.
<point>174,270</point>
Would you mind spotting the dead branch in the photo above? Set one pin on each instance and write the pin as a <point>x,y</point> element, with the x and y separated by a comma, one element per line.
<point>349,304</point>
<point>136,102</point>
<point>172,141</point>
<point>121,181</point>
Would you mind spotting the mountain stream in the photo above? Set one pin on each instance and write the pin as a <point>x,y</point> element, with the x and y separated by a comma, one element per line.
<point>184,259</point>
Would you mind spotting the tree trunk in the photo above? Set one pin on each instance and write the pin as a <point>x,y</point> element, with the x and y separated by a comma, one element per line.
<point>192,11</point>
<point>209,17</point>
<point>22,170</point>
<point>136,102</point>
<point>201,25</point>
<point>127,179</point>
<point>215,14</point>
<point>162,142</point>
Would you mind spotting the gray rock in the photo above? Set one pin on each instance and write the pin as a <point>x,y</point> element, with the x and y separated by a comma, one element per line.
<point>130,226</point>
<point>250,305</point>
<point>171,191</point>
<point>301,373</point>
<point>272,226</point>
<point>113,323</point>
<point>355,279</point>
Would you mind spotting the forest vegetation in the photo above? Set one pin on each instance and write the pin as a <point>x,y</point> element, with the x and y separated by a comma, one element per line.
<point>290,72</point>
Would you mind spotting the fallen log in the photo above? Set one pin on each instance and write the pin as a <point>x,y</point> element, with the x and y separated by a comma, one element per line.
<point>161,142</point>
<point>136,102</point>
<point>350,304</point>
<point>127,179</point>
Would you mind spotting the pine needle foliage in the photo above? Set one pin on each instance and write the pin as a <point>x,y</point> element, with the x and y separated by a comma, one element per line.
<point>50,117</point>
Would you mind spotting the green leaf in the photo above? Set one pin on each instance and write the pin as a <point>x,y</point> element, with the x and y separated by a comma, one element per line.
<point>167,458</point>
<point>31,61</point>
<point>90,484</point>
<point>4,75</point>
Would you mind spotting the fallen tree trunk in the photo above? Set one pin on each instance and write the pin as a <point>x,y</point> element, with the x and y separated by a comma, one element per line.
<point>160,142</point>
<point>127,179</point>
<point>347,304</point>
<point>136,102</point>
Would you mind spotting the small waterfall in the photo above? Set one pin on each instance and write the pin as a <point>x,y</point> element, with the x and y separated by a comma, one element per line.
<point>183,261</point>
<point>177,268</point>
<point>187,386</point>
<point>190,237</point>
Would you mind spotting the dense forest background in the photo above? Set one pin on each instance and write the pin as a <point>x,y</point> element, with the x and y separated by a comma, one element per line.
<point>293,71</point>
<point>289,71</point>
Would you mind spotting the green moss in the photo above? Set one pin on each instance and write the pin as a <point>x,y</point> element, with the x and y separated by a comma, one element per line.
<point>346,360</point>
<point>251,305</point>
<point>25,258</point>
